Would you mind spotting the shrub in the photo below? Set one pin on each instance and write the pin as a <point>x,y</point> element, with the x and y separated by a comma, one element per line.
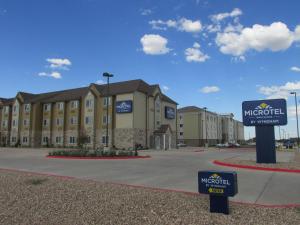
<point>92,153</point>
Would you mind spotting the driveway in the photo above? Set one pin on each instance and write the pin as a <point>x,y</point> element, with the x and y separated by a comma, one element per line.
<point>174,169</point>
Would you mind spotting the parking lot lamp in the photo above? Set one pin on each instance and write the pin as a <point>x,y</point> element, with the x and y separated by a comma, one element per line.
<point>295,95</point>
<point>205,119</point>
<point>107,75</point>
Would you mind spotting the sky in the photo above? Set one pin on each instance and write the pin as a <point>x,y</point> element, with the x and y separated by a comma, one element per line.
<point>213,54</point>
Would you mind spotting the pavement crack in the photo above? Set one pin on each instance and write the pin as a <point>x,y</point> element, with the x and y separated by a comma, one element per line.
<point>263,190</point>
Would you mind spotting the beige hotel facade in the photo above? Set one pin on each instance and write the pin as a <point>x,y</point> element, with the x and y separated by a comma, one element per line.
<point>138,114</point>
<point>197,126</point>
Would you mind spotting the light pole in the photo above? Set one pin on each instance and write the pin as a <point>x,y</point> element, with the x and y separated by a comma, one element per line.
<point>295,94</point>
<point>107,75</point>
<point>205,108</point>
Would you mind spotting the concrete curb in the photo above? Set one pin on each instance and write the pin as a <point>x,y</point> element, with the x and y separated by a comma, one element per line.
<point>255,167</point>
<point>99,158</point>
<point>147,188</point>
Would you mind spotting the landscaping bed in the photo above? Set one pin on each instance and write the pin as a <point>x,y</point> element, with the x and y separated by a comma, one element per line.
<point>82,153</point>
<point>40,199</point>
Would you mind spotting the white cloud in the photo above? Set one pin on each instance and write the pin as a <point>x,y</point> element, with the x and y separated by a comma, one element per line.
<point>182,24</point>
<point>146,12</point>
<point>154,44</point>
<point>221,16</point>
<point>295,69</point>
<point>57,63</point>
<point>165,88</point>
<point>210,89</point>
<point>100,82</point>
<point>291,111</point>
<point>54,74</point>
<point>275,37</point>
<point>194,54</point>
<point>273,92</point>
<point>213,28</point>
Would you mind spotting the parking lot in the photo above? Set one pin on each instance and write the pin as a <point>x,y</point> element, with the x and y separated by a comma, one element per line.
<point>174,169</point>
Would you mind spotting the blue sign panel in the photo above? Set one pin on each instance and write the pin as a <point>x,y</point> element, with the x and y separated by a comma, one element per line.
<point>217,183</point>
<point>124,106</point>
<point>265,112</point>
<point>169,112</point>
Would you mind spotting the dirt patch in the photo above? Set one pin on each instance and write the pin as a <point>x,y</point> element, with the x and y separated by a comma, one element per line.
<point>72,201</point>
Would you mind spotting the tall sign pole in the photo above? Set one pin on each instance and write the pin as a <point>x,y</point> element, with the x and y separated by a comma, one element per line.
<point>107,75</point>
<point>264,115</point>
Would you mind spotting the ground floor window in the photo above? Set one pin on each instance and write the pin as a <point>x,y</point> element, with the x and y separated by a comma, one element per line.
<point>13,139</point>
<point>25,140</point>
<point>105,139</point>
<point>45,140</point>
<point>58,140</point>
<point>72,140</point>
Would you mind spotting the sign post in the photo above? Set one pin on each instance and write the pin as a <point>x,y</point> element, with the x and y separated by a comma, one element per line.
<point>219,186</point>
<point>264,115</point>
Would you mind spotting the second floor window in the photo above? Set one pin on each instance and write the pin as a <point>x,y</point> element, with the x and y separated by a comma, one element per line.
<point>73,120</point>
<point>15,123</point>
<point>15,108</point>
<point>27,107</point>
<point>105,120</point>
<point>45,122</point>
<point>88,120</point>
<point>4,123</point>
<point>25,122</point>
<point>59,121</point>
<point>89,103</point>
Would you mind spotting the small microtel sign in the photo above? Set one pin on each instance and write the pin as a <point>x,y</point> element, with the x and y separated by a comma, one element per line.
<point>217,183</point>
<point>169,112</point>
<point>265,112</point>
<point>124,106</point>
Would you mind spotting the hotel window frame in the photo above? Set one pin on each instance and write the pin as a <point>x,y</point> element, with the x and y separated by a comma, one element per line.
<point>89,103</point>
<point>73,120</point>
<point>105,101</point>
<point>74,104</point>
<point>13,139</point>
<point>25,139</point>
<point>45,122</point>
<point>105,139</point>
<point>46,107</point>
<point>60,106</point>
<point>72,140</point>
<point>6,110</point>
<point>15,108</point>
<point>104,120</point>
<point>27,107</point>
<point>88,120</point>
<point>25,122</point>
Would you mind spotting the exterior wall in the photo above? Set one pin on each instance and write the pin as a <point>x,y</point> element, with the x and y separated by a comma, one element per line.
<point>15,123</point>
<point>72,129</point>
<point>58,124</point>
<point>47,128</point>
<point>36,124</point>
<point>25,125</point>
<point>89,114</point>
<point>5,125</point>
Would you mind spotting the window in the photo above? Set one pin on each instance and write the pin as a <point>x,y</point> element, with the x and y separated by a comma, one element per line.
<point>88,139</point>
<point>15,123</point>
<point>104,120</point>
<point>4,123</point>
<point>25,140</point>
<point>6,109</point>
<point>74,104</point>
<point>27,107</point>
<point>60,106</point>
<point>15,108</point>
<point>72,140</point>
<point>181,125</point>
<point>59,121</point>
<point>89,103</point>
<point>47,107</point>
<point>45,140</point>
<point>88,120</point>
<point>106,100</point>
<point>105,139</point>
<point>25,122</point>
<point>73,120</point>
<point>180,117</point>
<point>180,133</point>
<point>45,122</point>
<point>13,139</point>
<point>58,140</point>
<point>157,123</point>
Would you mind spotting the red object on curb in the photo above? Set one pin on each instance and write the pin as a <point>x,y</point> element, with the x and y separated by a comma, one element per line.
<point>99,157</point>
<point>255,167</point>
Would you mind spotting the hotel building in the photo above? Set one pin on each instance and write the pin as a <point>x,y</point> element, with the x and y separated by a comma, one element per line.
<point>138,114</point>
<point>197,126</point>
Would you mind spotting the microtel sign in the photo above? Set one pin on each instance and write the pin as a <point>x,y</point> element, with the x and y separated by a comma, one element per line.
<point>124,106</point>
<point>217,183</point>
<point>169,112</point>
<point>264,112</point>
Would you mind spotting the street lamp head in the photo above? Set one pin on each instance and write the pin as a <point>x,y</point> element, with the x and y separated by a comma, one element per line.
<point>107,74</point>
<point>205,108</point>
<point>292,93</point>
